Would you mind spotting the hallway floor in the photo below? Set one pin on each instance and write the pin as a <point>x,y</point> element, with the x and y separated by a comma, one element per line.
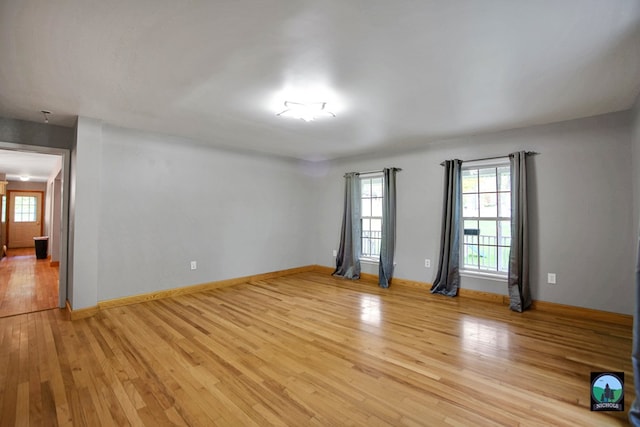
<point>27,284</point>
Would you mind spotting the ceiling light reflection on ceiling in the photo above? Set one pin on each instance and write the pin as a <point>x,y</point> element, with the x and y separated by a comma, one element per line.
<point>305,111</point>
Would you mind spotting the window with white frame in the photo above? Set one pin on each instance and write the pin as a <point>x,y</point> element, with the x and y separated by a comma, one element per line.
<point>371,193</point>
<point>486,214</point>
<point>24,209</point>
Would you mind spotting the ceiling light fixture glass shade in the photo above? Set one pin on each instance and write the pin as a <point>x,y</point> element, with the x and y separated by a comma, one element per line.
<point>307,112</point>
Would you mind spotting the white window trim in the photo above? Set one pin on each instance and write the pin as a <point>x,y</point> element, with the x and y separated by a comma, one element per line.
<point>20,218</point>
<point>368,259</point>
<point>481,274</point>
<point>374,261</point>
<point>476,164</point>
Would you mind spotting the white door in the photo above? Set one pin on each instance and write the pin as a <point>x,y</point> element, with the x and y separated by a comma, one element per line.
<point>25,218</point>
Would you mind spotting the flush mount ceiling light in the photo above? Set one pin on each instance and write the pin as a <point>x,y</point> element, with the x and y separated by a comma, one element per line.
<point>24,178</point>
<point>305,111</point>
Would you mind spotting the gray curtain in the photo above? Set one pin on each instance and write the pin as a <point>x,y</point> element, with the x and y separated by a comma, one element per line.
<point>518,279</point>
<point>634,412</point>
<point>448,277</point>
<point>348,258</point>
<point>388,242</point>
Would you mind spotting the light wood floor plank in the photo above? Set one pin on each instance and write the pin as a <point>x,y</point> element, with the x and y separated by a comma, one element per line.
<point>27,284</point>
<point>308,349</point>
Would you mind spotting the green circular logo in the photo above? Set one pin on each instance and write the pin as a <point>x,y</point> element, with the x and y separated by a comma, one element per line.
<point>607,388</point>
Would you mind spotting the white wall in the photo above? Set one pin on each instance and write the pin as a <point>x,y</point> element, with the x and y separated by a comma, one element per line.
<point>161,202</point>
<point>580,186</point>
<point>54,213</point>
<point>47,213</point>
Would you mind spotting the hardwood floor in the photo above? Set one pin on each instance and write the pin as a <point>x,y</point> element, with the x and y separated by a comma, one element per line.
<point>308,349</point>
<point>27,284</point>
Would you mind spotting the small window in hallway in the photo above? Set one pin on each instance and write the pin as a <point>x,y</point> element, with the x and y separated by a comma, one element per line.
<point>25,209</point>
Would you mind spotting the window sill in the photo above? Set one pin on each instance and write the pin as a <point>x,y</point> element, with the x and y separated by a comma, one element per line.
<point>374,261</point>
<point>484,275</point>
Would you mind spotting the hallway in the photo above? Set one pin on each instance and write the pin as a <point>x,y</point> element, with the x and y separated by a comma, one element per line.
<point>27,284</point>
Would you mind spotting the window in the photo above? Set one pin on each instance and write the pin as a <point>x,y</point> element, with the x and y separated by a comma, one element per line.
<point>25,209</point>
<point>4,209</point>
<point>486,214</point>
<point>371,190</point>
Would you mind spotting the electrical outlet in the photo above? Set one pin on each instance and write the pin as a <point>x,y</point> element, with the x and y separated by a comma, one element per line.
<point>194,265</point>
<point>551,278</point>
<point>427,263</point>
<point>335,252</point>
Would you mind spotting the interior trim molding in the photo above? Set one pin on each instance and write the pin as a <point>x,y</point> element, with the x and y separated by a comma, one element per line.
<point>561,309</point>
<point>81,313</point>
<point>583,312</point>
<point>151,296</point>
<point>552,307</point>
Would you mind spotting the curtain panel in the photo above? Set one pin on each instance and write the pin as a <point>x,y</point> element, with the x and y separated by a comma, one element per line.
<point>348,258</point>
<point>388,241</point>
<point>634,412</point>
<point>447,279</point>
<point>518,276</point>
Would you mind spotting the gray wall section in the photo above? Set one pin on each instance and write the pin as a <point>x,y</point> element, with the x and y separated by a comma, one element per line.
<point>163,202</point>
<point>86,202</point>
<point>40,134</point>
<point>143,205</point>
<point>72,216</point>
<point>580,186</point>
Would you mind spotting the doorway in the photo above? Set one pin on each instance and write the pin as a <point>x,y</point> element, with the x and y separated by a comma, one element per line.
<point>27,283</point>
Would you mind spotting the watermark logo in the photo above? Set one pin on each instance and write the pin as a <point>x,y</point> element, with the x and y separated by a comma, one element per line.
<point>607,391</point>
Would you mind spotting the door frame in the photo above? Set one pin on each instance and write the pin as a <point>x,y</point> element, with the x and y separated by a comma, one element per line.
<point>63,278</point>
<point>42,210</point>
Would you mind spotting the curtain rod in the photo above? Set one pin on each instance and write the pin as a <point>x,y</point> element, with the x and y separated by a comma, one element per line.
<point>370,172</point>
<point>380,171</point>
<point>493,158</point>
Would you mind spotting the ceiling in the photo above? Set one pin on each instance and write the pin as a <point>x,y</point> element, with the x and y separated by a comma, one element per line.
<point>397,74</point>
<point>34,166</point>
